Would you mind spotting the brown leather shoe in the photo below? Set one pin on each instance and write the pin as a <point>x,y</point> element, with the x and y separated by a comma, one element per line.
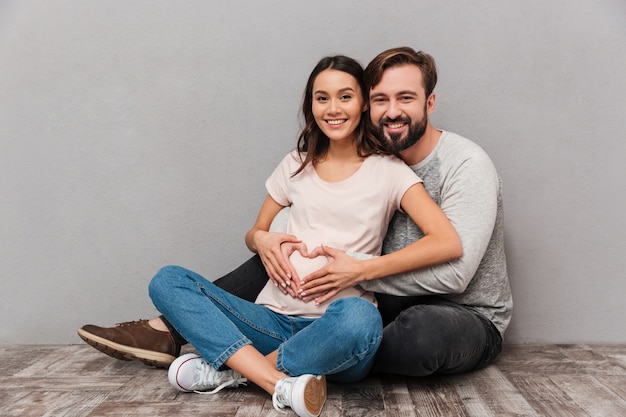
<point>133,340</point>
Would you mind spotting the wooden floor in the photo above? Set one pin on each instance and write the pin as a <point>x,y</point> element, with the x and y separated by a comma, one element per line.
<point>527,380</point>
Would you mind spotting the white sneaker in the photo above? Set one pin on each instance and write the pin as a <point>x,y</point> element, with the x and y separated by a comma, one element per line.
<point>305,394</point>
<point>191,373</point>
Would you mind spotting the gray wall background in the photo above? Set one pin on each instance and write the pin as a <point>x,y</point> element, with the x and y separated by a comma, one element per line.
<point>135,134</point>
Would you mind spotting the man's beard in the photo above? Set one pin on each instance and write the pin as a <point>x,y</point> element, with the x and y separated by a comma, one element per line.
<point>394,142</point>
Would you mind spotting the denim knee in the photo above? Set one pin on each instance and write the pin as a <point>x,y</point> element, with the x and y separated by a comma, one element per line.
<point>161,284</point>
<point>432,338</point>
<point>361,319</point>
<point>355,337</point>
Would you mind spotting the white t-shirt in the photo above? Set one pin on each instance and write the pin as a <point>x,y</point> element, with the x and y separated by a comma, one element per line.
<point>351,215</point>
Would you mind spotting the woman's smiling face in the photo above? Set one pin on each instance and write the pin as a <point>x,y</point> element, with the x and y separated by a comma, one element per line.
<point>337,104</point>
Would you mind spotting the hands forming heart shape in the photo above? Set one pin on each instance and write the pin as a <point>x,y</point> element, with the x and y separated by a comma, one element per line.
<point>305,265</point>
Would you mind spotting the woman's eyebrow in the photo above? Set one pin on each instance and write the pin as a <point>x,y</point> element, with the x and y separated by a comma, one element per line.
<point>340,91</point>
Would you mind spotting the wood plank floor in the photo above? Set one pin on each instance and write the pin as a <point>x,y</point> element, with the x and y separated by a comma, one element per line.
<point>527,380</point>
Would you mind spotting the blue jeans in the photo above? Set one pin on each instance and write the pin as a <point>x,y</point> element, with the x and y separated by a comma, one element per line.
<point>341,344</point>
<point>423,335</point>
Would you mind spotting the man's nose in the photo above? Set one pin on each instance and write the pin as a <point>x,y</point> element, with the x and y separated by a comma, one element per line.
<point>393,110</point>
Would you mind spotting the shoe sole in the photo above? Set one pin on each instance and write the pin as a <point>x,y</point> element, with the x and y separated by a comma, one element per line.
<point>126,353</point>
<point>314,396</point>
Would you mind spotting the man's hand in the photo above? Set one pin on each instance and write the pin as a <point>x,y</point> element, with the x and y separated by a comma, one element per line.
<point>274,250</point>
<point>339,273</point>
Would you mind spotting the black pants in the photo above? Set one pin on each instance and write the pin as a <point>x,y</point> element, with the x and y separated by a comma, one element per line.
<point>422,335</point>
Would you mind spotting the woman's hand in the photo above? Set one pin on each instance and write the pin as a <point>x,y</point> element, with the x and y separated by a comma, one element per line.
<point>341,272</point>
<point>274,250</point>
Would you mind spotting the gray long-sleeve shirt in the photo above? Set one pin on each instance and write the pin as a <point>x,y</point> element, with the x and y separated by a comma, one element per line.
<point>463,181</point>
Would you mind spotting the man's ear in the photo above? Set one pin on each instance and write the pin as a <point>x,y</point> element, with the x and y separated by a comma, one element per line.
<point>430,103</point>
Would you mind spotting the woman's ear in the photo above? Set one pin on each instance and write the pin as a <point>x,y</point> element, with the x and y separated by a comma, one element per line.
<point>366,107</point>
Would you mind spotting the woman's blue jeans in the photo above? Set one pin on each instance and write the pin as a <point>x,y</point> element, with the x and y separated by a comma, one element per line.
<point>341,344</point>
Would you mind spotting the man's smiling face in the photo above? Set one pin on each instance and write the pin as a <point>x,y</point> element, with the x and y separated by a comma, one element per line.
<point>398,107</point>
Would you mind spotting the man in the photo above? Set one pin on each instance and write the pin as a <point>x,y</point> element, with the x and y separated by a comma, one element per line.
<point>445,319</point>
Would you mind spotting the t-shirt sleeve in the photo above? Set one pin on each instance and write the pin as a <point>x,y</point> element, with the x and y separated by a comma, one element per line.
<point>277,184</point>
<point>400,178</point>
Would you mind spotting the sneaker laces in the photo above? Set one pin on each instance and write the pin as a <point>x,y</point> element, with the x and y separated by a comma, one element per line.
<point>206,377</point>
<point>128,323</point>
<point>282,394</point>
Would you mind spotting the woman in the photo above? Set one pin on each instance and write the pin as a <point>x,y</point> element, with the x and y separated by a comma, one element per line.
<point>342,191</point>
